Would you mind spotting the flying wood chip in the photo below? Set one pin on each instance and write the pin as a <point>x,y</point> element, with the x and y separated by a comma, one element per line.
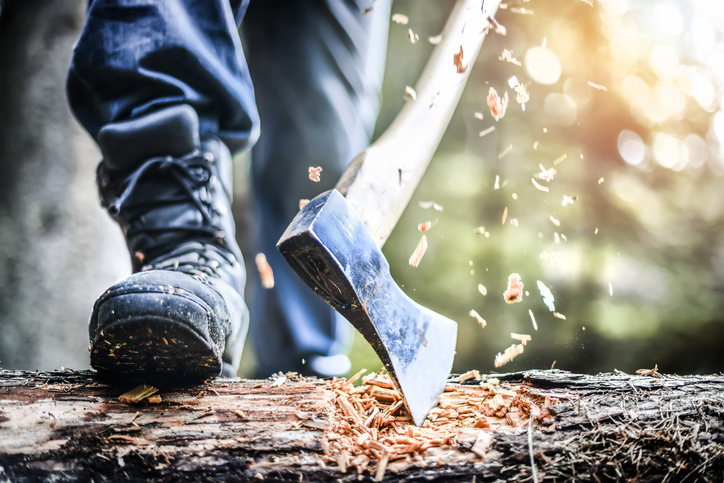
<point>400,19</point>
<point>435,40</point>
<point>499,29</point>
<point>496,104</point>
<point>423,227</point>
<point>507,56</point>
<point>477,317</point>
<point>410,92</point>
<point>460,62</point>
<point>597,86</point>
<point>523,338</point>
<point>509,354</point>
<point>314,173</point>
<point>521,95</point>
<point>514,292</point>
<point>265,271</point>
<point>419,252</point>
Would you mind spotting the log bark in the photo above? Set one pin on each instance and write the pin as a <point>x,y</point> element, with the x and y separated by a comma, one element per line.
<point>66,426</point>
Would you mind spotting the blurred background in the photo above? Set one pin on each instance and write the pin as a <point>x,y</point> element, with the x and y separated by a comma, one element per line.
<point>625,104</point>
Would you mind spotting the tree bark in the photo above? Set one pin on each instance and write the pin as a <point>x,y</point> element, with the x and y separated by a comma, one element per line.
<point>65,426</point>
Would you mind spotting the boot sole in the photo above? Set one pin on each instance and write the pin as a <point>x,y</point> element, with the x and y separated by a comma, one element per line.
<point>169,347</point>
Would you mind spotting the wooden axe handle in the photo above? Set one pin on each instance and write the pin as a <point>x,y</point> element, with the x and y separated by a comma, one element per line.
<point>381,180</point>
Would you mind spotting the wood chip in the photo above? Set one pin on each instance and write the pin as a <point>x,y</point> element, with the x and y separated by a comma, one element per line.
<point>419,252</point>
<point>477,317</point>
<point>597,86</point>
<point>315,424</point>
<point>314,173</point>
<point>482,443</point>
<point>459,60</point>
<point>137,394</point>
<point>485,132</point>
<point>474,374</point>
<point>539,186</point>
<point>378,380</point>
<point>496,104</point>
<point>349,410</point>
<point>507,56</point>
<point>499,29</point>
<point>423,227</point>
<point>265,271</point>
<point>382,466</point>
<point>435,39</point>
<point>650,372</point>
<point>505,151</point>
<point>429,204</point>
<point>514,292</point>
<point>523,338</point>
<point>410,92</point>
<point>510,353</point>
<point>343,461</point>
<point>279,381</point>
<point>356,376</point>
<point>400,18</point>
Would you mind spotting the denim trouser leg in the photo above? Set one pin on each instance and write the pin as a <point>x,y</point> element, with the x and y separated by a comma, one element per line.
<point>138,56</point>
<point>317,68</point>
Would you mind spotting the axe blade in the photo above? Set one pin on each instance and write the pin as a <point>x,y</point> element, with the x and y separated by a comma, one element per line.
<point>329,247</point>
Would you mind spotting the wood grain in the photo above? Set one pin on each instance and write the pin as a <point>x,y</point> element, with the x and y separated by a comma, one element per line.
<point>381,180</point>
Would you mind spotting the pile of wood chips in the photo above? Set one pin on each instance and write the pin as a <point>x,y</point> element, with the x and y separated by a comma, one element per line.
<point>373,431</point>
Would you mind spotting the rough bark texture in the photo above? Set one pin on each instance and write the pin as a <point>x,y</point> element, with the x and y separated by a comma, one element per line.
<point>62,426</point>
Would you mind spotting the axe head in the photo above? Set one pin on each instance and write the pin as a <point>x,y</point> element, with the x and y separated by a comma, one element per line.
<point>329,247</point>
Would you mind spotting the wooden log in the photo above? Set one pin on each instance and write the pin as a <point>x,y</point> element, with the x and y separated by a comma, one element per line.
<point>65,426</point>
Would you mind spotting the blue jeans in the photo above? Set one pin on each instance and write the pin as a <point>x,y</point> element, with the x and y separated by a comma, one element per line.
<point>317,69</point>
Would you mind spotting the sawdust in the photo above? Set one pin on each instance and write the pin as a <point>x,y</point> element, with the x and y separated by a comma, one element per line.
<point>374,432</point>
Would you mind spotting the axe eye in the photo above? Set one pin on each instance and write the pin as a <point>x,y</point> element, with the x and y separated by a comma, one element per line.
<point>312,267</point>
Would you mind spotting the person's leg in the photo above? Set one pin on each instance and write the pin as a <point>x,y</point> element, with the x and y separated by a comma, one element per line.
<point>164,89</point>
<point>138,56</point>
<point>317,69</point>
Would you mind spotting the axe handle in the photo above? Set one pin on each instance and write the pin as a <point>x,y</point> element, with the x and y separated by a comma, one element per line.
<point>381,180</point>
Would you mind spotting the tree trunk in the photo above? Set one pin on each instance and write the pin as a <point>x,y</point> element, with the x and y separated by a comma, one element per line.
<point>65,426</point>
<point>58,249</point>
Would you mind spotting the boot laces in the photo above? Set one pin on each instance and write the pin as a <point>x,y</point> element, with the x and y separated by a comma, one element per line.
<point>192,172</point>
<point>200,260</point>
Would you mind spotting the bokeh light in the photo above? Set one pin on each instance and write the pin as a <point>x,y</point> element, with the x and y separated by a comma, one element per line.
<point>631,147</point>
<point>625,106</point>
<point>542,65</point>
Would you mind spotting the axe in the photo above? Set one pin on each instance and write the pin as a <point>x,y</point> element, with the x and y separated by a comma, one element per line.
<point>334,243</point>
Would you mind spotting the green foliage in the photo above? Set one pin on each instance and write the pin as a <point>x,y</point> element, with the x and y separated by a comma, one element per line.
<point>642,268</point>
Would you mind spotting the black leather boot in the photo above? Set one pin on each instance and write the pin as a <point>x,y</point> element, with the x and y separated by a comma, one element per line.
<point>181,316</point>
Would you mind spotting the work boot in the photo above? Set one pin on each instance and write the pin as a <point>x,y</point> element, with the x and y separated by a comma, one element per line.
<point>181,316</point>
